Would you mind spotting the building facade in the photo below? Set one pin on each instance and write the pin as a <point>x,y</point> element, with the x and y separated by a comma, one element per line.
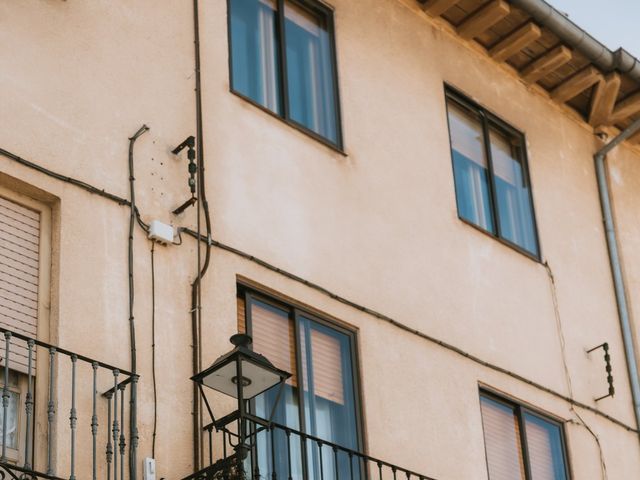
<point>398,200</point>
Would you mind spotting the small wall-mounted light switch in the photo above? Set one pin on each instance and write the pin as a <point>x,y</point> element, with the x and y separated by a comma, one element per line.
<point>149,469</point>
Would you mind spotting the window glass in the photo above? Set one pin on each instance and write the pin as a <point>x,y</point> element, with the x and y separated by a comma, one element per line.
<point>512,191</point>
<point>470,167</point>
<point>12,420</point>
<point>520,445</point>
<point>544,444</point>
<point>328,394</point>
<point>502,441</point>
<point>254,44</point>
<point>282,57</point>
<point>491,181</point>
<point>320,360</point>
<point>310,71</point>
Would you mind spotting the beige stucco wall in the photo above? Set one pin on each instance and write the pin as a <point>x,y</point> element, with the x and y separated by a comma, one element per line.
<point>378,225</point>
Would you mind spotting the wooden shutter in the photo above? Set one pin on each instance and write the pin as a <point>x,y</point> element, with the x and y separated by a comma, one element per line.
<point>19,265</point>
<point>273,335</point>
<point>502,441</point>
<point>545,460</point>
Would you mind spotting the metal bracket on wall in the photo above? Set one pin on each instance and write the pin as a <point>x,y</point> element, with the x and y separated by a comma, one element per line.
<point>189,144</point>
<point>607,361</point>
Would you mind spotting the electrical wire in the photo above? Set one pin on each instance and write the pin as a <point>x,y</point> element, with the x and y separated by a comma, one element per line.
<point>406,328</point>
<point>153,352</point>
<point>78,183</point>
<point>196,286</point>
<point>214,243</point>
<point>133,431</point>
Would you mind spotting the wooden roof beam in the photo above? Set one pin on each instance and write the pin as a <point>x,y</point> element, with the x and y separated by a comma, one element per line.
<point>578,83</point>
<point>483,19</point>
<point>603,100</point>
<point>438,7</point>
<point>516,41</point>
<point>546,64</point>
<point>627,107</point>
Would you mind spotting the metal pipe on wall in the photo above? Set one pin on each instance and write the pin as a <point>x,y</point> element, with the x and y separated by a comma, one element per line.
<point>203,265</point>
<point>616,267</point>
<point>577,38</point>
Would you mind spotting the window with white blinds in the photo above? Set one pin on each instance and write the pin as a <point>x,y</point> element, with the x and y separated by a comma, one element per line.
<point>19,275</point>
<point>519,444</point>
<point>317,355</point>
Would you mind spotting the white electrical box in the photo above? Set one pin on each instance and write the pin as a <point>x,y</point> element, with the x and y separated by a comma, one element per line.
<point>149,469</point>
<point>161,232</point>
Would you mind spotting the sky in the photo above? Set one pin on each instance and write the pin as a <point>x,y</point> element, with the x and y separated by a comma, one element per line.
<point>614,23</point>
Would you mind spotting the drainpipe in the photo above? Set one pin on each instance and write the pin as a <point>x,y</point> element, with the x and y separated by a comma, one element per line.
<point>616,268</point>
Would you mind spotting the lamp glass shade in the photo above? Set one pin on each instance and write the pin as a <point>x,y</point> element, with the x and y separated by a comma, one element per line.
<point>255,379</point>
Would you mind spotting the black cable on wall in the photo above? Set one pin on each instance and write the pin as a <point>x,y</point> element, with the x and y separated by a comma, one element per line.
<point>153,352</point>
<point>196,286</point>
<point>133,217</point>
<point>247,256</point>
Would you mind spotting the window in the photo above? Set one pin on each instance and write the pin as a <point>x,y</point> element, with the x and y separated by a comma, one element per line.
<point>19,274</point>
<point>492,185</point>
<point>15,416</point>
<point>25,263</point>
<point>283,59</point>
<point>319,399</point>
<point>521,444</point>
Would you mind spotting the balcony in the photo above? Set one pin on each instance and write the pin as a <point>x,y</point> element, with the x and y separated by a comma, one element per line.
<point>274,451</point>
<point>62,414</point>
<point>243,445</point>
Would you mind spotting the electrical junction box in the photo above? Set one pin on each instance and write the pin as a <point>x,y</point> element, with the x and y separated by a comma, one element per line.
<point>149,469</point>
<point>161,232</point>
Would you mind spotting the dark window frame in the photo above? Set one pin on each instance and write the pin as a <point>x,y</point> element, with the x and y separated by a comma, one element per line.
<point>295,311</point>
<point>327,12</point>
<point>490,120</point>
<point>520,410</point>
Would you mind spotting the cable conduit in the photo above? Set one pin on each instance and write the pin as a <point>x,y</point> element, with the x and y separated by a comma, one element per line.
<point>380,316</point>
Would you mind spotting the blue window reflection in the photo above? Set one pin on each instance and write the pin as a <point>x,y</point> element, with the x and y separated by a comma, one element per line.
<point>299,87</point>
<point>491,180</point>
<point>319,398</point>
<point>254,43</point>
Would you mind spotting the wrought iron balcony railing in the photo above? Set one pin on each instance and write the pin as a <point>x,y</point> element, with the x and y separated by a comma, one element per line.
<point>278,452</point>
<point>51,412</point>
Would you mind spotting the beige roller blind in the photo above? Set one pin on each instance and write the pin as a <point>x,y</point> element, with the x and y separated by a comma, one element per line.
<point>273,336</point>
<point>466,134</point>
<point>502,441</point>
<point>327,367</point>
<point>19,269</point>
<point>541,455</point>
<point>326,361</point>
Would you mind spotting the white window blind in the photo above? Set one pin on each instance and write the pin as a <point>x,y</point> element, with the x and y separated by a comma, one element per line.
<point>19,270</point>
<point>545,449</point>
<point>502,441</point>
<point>274,337</point>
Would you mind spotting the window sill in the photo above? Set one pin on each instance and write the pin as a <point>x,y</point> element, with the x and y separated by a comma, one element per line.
<point>531,256</point>
<point>292,124</point>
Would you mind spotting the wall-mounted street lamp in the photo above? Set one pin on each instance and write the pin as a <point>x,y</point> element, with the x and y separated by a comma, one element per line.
<point>242,374</point>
